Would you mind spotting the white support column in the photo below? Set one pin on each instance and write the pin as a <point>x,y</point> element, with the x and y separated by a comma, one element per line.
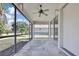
<point>54,29</point>
<point>29,31</point>
<point>49,30</point>
<point>33,30</point>
<point>60,29</point>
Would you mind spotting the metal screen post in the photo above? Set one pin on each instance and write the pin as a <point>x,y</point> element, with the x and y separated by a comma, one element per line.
<point>15,30</point>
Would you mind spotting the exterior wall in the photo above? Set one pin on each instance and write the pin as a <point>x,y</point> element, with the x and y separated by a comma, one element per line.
<point>71,28</point>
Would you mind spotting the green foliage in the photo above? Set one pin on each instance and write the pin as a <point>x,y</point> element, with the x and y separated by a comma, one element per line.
<point>21,27</point>
<point>1,27</point>
<point>1,8</point>
<point>7,29</point>
<point>4,28</point>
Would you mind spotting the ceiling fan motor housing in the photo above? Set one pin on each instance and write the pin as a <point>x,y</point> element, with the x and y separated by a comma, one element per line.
<point>41,11</point>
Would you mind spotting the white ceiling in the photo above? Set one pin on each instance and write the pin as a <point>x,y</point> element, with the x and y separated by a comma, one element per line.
<point>31,8</point>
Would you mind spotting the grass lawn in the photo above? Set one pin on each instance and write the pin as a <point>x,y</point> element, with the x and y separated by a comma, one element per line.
<point>41,36</point>
<point>9,41</point>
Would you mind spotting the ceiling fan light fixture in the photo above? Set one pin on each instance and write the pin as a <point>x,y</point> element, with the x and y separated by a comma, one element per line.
<point>42,11</point>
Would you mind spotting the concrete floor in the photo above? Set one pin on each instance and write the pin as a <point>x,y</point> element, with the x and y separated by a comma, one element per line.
<point>40,47</point>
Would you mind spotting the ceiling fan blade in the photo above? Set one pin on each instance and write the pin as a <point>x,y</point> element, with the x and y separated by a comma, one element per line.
<point>38,8</point>
<point>39,14</point>
<point>45,14</point>
<point>46,10</point>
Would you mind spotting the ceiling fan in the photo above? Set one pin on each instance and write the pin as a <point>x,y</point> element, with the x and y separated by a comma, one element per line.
<point>42,11</point>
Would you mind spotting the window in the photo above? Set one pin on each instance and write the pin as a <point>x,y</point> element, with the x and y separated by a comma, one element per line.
<point>14,31</point>
<point>22,27</point>
<point>6,29</point>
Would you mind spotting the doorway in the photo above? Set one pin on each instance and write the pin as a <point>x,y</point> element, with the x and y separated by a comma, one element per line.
<point>40,31</point>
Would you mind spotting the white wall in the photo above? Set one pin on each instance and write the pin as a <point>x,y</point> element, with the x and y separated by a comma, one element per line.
<point>71,28</point>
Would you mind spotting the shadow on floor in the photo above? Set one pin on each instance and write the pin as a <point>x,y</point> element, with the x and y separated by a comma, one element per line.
<point>10,51</point>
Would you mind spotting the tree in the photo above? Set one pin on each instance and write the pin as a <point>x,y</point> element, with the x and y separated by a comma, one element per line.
<point>21,27</point>
<point>1,27</point>
<point>7,29</point>
<point>0,8</point>
<point>4,28</point>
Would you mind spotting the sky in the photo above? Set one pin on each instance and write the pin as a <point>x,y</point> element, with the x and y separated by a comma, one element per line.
<point>9,12</point>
